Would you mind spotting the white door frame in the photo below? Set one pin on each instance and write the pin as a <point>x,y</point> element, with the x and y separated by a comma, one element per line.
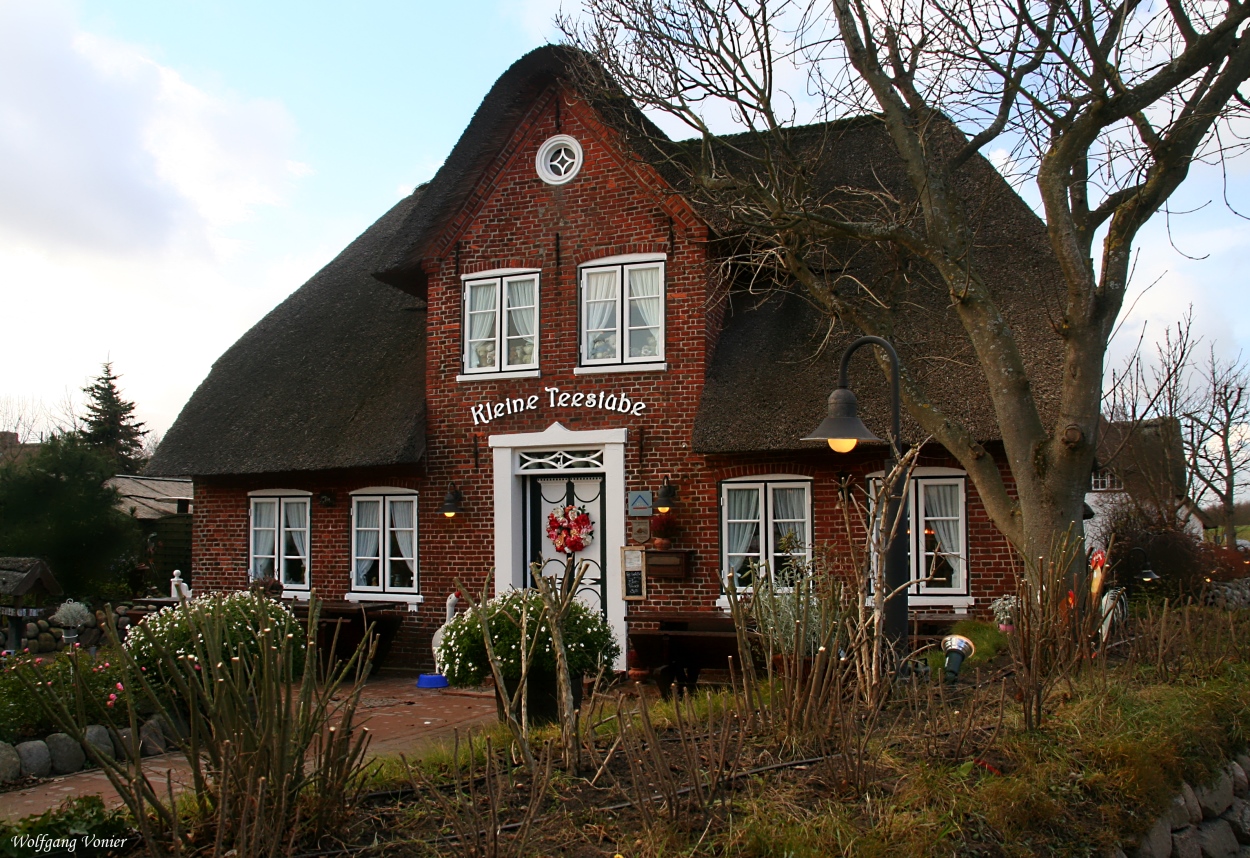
<point>508,488</point>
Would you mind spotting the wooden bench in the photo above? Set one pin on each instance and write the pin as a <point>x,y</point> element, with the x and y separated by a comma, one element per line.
<point>683,644</point>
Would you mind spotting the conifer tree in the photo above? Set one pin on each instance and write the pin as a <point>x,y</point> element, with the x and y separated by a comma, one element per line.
<point>110,425</point>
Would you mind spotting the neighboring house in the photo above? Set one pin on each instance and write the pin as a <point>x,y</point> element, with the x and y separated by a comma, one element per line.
<point>163,507</point>
<point>1139,464</point>
<point>12,450</point>
<point>544,322</point>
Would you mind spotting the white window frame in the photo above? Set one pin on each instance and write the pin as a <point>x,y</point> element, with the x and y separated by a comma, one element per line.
<point>921,592</point>
<point>1105,480</point>
<point>280,498</point>
<point>920,564</point>
<point>384,496</point>
<point>499,280</point>
<point>766,486</point>
<point>622,265</point>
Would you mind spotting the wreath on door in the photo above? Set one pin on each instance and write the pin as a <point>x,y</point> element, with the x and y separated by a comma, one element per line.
<point>569,528</point>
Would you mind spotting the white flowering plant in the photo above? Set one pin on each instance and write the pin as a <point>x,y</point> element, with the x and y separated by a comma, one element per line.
<point>243,614</point>
<point>462,654</point>
<point>1004,609</point>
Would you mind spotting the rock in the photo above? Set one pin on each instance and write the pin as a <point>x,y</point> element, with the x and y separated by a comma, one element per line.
<point>90,622</point>
<point>123,622</point>
<point>10,763</point>
<point>31,631</point>
<point>98,737</point>
<point>35,758</point>
<point>1185,843</point>
<point>67,755</point>
<point>1114,852</point>
<point>1243,760</point>
<point>1238,816</point>
<point>1215,798</point>
<point>57,633</point>
<point>1177,813</point>
<point>151,738</point>
<point>43,625</point>
<point>89,637</point>
<point>120,610</point>
<point>1241,785</point>
<point>1217,840</point>
<point>1191,804</point>
<point>1157,842</point>
<point>46,643</point>
<point>121,744</point>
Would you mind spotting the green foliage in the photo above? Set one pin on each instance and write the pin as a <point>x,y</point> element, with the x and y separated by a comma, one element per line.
<point>242,617</point>
<point>22,718</point>
<point>78,819</point>
<point>110,424</point>
<point>56,505</point>
<point>587,636</point>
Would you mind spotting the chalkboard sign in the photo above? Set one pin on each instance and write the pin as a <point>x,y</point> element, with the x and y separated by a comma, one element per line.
<point>634,573</point>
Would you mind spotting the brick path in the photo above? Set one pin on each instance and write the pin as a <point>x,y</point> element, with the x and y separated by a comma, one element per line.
<point>400,716</point>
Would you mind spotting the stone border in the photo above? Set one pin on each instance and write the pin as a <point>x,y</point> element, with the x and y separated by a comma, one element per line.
<point>1207,822</point>
<point>58,753</point>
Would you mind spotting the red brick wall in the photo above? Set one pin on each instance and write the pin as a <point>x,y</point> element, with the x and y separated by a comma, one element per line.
<point>512,219</point>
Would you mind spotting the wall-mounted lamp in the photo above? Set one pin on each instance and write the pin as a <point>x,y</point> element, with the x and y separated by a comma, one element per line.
<point>666,498</point>
<point>1145,575</point>
<point>452,501</point>
<point>957,649</point>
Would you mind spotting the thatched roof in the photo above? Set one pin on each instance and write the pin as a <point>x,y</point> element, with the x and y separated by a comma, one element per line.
<point>333,377</point>
<point>777,359</point>
<point>150,498</point>
<point>20,575</point>
<point>1148,456</point>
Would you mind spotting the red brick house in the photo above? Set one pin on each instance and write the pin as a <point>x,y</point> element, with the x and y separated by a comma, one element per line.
<point>546,320</point>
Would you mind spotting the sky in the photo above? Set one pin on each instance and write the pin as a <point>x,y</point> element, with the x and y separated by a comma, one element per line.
<point>170,171</point>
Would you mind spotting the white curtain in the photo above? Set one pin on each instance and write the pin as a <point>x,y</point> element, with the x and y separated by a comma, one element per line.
<point>403,565</point>
<point>482,314</point>
<point>295,550</point>
<point>600,321</point>
<point>520,329</point>
<point>368,519</point>
<point>941,506</point>
<point>645,307</point>
<point>264,537</point>
<point>742,531</point>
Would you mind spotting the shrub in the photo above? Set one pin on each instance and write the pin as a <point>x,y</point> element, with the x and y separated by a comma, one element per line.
<point>22,718</point>
<point>587,636</point>
<point>243,615</point>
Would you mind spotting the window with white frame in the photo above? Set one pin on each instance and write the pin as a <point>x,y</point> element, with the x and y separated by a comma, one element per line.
<point>384,543</point>
<point>1106,480</point>
<point>766,525</point>
<point>501,323</point>
<point>279,540</point>
<point>622,313</point>
<point>937,530</point>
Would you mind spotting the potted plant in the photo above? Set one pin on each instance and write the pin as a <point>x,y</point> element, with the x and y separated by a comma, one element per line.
<point>1004,610</point>
<point>663,528</point>
<point>587,637</point>
<point>71,616</point>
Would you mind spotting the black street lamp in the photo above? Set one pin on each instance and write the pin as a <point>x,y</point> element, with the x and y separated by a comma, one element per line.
<point>843,429</point>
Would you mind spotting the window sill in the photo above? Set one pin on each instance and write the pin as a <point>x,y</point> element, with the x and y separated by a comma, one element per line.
<point>409,599</point>
<point>620,367</point>
<point>487,376</point>
<point>291,593</point>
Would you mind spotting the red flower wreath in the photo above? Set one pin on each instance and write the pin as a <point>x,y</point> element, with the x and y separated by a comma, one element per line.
<point>569,528</point>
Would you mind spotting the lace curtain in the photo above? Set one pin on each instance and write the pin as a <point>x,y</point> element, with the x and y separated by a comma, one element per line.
<point>742,531</point>
<point>295,542</point>
<point>482,314</point>
<point>402,561</point>
<point>368,524</point>
<point>941,507</point>
<point>264,538</point>
<point>600,321</point>
<point>645,308</point>
<point>520,328</point>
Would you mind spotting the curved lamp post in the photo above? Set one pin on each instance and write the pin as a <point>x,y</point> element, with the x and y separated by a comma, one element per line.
<point>843,430</point>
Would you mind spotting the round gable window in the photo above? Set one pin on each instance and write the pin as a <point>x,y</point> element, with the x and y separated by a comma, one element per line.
<point>559,159</point>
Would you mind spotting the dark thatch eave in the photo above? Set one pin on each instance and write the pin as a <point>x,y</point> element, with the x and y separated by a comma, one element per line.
<point>333,377</point>
<point>20,575</point>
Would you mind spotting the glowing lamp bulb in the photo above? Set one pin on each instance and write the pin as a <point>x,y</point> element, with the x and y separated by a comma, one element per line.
<point>450,514</point>
<point>842,445</point>
<point>663,509</point>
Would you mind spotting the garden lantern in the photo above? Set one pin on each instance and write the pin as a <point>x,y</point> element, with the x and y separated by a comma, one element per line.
<point>957,648</point>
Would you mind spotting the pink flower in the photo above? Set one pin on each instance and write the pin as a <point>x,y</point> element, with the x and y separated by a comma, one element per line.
<point>109,704</point>
<point>39,661</point>
<point>119,687</point>
<point>112,697</point>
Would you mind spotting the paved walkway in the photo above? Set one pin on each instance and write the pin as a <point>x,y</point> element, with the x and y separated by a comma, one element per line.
<point>401,717</point>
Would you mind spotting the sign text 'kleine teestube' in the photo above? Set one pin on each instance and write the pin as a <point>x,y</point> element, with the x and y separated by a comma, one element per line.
<point>485,412</point>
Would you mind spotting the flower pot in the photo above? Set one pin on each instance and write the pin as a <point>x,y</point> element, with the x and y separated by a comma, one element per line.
<point>661,543</point>
<point>1006,628</point>
<point>544,698</point>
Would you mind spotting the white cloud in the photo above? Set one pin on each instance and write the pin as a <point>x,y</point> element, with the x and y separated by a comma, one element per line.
<point>120,183</point>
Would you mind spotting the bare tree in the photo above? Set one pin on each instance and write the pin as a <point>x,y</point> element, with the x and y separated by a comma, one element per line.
<point>1102,106</point>
<point>1218,437</point>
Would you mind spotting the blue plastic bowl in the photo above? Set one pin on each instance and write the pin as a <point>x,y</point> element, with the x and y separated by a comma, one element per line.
<point>431,680</point>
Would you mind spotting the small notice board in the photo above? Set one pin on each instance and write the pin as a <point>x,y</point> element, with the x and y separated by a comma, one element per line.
<point>634,573</point>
